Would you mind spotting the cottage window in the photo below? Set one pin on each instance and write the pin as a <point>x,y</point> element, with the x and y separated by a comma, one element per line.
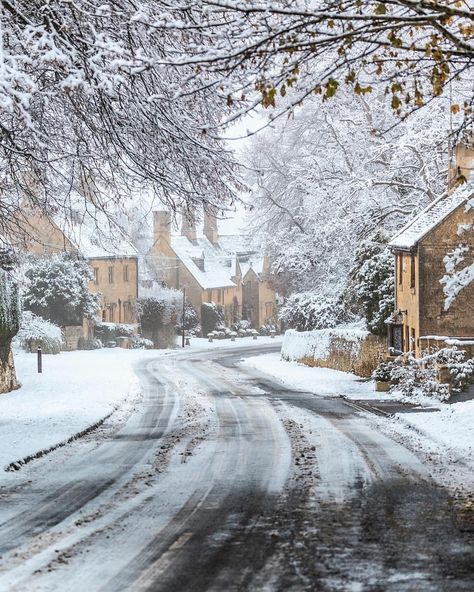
<point>412,270</point>
<point>400,268</point>
<point>96,275</point>
<point>111,275</point>
<point>125,273</point>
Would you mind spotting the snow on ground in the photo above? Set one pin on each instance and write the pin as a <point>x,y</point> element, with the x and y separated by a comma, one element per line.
<point>445,436</point>
<point>321,381</point>
<point>75,391</point>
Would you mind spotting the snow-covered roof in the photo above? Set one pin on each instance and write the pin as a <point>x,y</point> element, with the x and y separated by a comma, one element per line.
<point>254,262</point>
<point>216,271</point>
<point>429,218</point>
<point>92,232</point>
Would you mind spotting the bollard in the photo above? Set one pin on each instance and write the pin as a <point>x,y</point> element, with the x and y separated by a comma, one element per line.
<point>40,362</point>
<point>272,334</point>
<point>187,342</point>
<point>255,336</point>
<point>209,337</point>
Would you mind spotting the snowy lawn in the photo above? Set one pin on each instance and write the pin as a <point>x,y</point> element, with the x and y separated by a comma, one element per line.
<point>450,429</point>
<point>75,391</point>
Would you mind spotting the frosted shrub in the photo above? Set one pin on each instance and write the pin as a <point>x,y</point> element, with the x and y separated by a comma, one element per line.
<point>58,290</point>
<point>414,376</point>
<point>212,317</point>
<point>38,332</point>
<point>307,311</point>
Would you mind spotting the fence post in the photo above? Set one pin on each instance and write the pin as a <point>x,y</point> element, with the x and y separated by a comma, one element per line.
<point>40,361</point>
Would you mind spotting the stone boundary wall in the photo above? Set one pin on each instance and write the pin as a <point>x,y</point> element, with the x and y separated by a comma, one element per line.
<point>347,350</point>
<point>72,334</point>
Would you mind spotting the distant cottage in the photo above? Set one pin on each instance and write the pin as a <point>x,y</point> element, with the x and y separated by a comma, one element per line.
<point>90,233</point>
<point>212,269</point>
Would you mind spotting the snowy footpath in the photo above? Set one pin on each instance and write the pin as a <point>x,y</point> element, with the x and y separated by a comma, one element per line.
<point>75,393</point>
<point>442,432</point>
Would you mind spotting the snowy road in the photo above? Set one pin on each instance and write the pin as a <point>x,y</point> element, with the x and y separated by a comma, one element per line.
<point>222,480</point>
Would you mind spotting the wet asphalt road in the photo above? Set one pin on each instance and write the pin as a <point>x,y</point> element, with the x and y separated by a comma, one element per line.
<point>222,480</point>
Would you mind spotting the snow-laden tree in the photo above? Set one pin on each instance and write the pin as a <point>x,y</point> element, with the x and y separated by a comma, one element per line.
<point>372,282</point>
<point>414,48</point>
<point>57,289</point>
<point>330,176</point>
<point>86,101</point>
<point>307,311</point>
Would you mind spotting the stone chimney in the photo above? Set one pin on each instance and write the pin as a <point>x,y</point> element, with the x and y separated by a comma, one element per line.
<point>210,225</point>
<point>462,164</point>
<point>188,225</point>
<point>162,226</point>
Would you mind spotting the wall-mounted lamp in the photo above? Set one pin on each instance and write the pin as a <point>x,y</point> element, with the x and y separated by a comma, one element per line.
<point>401,312</point>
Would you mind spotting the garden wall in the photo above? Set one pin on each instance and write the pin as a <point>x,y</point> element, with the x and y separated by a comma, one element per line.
<point>345,349</point>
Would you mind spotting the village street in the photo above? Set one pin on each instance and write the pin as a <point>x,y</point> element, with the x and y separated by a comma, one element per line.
<point>219,478</point>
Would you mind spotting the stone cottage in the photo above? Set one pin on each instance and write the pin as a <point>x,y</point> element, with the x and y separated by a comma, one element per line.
<point>213,268</point>
<point>90,233</point>
<point>434,275</point>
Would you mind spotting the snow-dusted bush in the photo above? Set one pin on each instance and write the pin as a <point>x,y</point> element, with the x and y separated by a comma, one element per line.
<point>88,343</point>
<point>191,322</point>
<point>58,289</point>
<point>212,317</point>
<point>307,311</point>
<point>372,282</point>
<point>241,325</point>
<point>141,343</point>
<point>267,329</point>
<point>38,332</point>
<point>413,376</point>
<point>159,314</point>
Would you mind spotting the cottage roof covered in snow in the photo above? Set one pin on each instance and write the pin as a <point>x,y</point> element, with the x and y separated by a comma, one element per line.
<point>429,218</point>
<point>92,232</point>
<point>208,264</point>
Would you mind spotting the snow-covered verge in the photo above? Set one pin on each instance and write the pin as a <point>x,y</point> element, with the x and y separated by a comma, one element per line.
<point>321,381</point>
<point>75,391</point>
<point>445,436</point>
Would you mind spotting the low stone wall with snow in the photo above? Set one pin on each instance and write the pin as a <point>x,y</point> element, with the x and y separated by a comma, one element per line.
<point>345,349</point>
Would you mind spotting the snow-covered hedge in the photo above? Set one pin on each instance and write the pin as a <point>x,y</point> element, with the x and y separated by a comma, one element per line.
<point>316,344</point>
<point>38,332</point>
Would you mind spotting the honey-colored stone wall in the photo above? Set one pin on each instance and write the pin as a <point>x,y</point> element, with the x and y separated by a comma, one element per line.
<point>119,296</point>
<point>458,320</point>
<point>342,349</point>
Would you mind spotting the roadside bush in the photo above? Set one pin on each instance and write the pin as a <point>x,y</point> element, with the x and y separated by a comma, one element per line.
<point>58,290</point>
<point>434,374</point>
<point>87,343</point>
<point>212,317</point>
<point>38,332</point>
